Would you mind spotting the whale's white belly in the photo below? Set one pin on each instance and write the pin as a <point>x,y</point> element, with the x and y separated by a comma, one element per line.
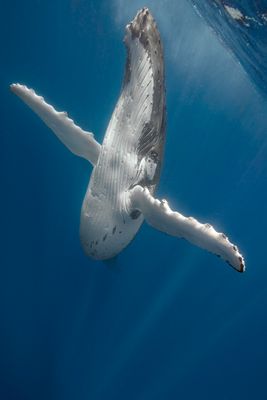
<point>132,149</point>
<point>106,225</point>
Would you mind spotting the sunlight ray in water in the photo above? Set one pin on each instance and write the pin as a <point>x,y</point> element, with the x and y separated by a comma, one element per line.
<point>127,349</point>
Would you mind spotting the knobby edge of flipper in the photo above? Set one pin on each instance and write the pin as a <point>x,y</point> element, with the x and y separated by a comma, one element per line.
<point>159,215</point>
<point>78,141</point>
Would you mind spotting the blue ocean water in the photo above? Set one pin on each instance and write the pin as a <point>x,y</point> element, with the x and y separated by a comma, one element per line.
<point>164,320</point>
<point>241,25</point>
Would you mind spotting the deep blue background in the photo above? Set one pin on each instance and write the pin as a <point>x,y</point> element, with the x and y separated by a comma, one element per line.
<point>164,320</point>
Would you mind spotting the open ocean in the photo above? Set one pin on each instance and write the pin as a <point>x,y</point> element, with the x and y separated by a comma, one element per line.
<point>164,320</point>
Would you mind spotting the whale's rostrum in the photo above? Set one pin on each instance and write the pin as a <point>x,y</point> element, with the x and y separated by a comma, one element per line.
<point>126,167</point>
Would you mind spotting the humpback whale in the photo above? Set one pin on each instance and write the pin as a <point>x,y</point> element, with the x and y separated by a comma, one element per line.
<point>126,167</point>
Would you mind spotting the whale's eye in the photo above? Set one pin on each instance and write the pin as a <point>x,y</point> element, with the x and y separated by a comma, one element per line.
<point>154,155</point>
<point>135,214</point>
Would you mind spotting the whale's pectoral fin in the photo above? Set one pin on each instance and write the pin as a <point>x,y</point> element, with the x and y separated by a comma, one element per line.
<point>159,215</point>
<point>78,141</point>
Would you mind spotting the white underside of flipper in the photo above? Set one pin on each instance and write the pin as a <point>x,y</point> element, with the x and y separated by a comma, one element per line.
<point>159,215</point>
<point>78,141</point>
